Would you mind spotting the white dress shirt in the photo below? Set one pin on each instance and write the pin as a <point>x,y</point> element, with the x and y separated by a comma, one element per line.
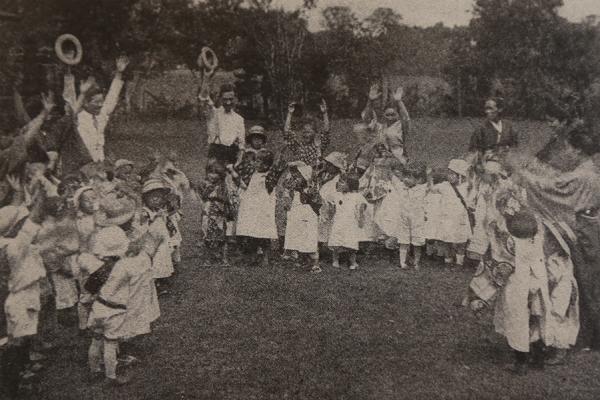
<point>91,127</point>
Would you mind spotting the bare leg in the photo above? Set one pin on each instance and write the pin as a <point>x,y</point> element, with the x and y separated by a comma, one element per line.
<point>403,253</point>
<point>335,254</point>
<point>353,263</point>
<point>314,257</point>
<point>417,250</point>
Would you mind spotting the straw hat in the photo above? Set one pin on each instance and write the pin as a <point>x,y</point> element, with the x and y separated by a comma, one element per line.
<point>337,159</point>
<point>78,193</point>
<point>123,162</point>
<point>109,242</point>
<point>459,166</point>
<point>155,184</point>
<point>256,130</point>
<point>115,211</point>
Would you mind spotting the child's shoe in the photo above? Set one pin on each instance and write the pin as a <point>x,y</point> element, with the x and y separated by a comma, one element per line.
<point>335,264</point>
<point>118,381</point>
<point>128,360</point>
<point>316,269</point>
<point>353,267</point>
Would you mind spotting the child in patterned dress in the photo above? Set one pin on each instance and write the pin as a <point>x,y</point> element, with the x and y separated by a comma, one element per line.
<point>303,217</point>
<point>217,210</point>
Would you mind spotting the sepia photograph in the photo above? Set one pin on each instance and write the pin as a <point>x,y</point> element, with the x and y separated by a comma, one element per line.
<point>299,199</point>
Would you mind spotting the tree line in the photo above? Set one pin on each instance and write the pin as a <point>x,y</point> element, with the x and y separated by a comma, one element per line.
<point>521,50</point>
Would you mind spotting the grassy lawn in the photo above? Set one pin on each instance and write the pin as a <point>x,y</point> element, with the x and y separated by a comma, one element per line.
<point>282,333</point>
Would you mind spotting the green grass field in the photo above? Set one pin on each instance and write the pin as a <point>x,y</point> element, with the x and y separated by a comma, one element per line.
<point>282,333</point>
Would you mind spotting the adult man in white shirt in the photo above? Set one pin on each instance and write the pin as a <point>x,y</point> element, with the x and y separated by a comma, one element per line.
<point>225,127</point>
<point>92,110</point>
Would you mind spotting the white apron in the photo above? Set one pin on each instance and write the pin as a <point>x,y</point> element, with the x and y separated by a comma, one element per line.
<point>256,216</point>
<point>302,227</point>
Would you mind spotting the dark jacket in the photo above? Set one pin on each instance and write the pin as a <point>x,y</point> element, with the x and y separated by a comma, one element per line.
<point>486,137</point>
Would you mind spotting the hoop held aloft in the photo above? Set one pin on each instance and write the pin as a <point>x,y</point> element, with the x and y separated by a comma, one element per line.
<point>58,49</point>
<point>208,59</point>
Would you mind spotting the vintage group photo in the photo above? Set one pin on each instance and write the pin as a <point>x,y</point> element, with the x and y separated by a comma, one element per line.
<point>299,199</point>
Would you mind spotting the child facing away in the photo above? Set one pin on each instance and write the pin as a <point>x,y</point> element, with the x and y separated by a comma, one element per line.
<point>349,207</point>
<point>302,230</point>
<point>256,217</point>
<point>217,210</point>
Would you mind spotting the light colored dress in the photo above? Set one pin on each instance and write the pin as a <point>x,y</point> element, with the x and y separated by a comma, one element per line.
<point>302,229</point>
<point>142,306</point>
<point>328,192</point>
<point>454,226</point>
<point>387,212</point>
<point>162,263</point>
<point>256,216</point>
<point>345,230</point>
<point>433,214</point>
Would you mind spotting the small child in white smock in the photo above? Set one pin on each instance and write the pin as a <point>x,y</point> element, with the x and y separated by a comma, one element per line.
<point>346,231</point>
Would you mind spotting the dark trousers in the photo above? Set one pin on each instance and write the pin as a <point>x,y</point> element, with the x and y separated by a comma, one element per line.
<point>586,259</point>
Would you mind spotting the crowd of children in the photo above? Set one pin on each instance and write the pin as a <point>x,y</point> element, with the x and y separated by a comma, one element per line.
<point>93,251</point>
<point>102,243</point>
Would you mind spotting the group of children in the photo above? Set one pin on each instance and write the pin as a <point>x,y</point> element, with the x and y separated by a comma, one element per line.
<point>332,203</point>
<point>93,250</point>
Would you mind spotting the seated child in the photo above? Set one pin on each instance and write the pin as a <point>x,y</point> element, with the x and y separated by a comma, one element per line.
<point>349,207</point>
<point>302,230</point>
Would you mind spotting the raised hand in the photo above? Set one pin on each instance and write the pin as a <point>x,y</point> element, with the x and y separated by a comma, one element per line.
<point>86,85</point>
<point>399,93</point>
<point>48,101</point>
<point>323,106</point>
<point>291,107</point>
<point>14,182</point>
<point>122,63</point>
<point>374,92</point>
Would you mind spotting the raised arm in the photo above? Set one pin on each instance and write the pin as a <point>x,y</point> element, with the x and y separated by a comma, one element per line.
<point>112,98</point>
<point>32,129</point>
<point>325,134</point>
<point>69,92</point>
<point>206,106</point>
<point>288,134</point>
<point>368,113</point>
<point>404,116</point>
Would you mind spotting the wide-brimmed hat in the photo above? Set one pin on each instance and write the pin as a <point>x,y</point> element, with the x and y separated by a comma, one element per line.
<point>338,160</point>
<point>256,130</point>
<point>115,211</point>
<point>155,184</point>
<point>79,192</point>
<point>459,166</point>
<point>110,242</point>
<point>123,162</point>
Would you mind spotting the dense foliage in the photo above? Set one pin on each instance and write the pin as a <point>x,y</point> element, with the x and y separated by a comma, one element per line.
<point>519,49</point>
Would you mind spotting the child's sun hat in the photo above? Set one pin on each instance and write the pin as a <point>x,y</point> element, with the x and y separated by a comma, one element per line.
<point>459,166</point>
